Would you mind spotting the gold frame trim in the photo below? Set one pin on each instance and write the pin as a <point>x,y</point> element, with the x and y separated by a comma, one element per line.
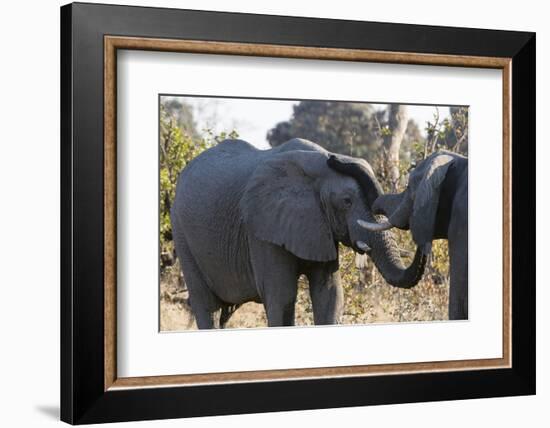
<point>112,43</point>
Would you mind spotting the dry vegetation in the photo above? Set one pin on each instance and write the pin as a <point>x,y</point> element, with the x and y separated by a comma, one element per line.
<point>368,298</point>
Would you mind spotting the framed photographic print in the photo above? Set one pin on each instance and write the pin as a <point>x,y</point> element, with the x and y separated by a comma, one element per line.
<point>265,213</point>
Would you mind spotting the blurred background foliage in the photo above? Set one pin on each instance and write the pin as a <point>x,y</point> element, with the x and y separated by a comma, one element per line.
<point>391,141</point>
<point>180,143</point>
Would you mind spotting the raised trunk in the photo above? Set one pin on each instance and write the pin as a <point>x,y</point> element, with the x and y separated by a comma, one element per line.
<point>386,257</point>
<point>397,207</point>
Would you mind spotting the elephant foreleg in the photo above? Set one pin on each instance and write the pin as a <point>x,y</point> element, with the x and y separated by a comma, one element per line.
<point>326,293</point>
<point>458,292</point>
<point>276,278</point>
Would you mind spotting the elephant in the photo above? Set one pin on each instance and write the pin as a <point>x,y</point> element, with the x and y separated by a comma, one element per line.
<point>433,206</point>
<point>247,223</point>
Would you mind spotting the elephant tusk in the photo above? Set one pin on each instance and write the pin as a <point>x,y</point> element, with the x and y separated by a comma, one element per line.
<point>375,227</point>
<point>363,246</point>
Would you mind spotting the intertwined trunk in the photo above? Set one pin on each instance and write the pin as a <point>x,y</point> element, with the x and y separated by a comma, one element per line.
<point>387,258</point>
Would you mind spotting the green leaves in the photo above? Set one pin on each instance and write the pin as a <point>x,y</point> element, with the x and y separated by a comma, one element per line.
<point>450,133</point>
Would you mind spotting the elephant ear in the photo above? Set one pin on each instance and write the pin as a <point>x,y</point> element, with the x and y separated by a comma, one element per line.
<point>426,197</point>
<point>280,205</point>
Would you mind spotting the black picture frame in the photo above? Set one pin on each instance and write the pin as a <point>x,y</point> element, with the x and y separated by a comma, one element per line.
<point>83,398</point>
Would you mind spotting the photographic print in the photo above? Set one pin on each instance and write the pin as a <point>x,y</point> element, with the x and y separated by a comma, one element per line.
<point>308,212</point>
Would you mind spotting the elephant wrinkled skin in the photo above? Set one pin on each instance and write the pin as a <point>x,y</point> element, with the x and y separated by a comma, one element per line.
<point>247,223</point>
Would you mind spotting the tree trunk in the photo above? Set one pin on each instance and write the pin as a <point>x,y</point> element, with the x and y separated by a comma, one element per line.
<point>397,123</point>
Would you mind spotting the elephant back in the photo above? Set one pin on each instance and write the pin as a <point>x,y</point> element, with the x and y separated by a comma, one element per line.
<point>211,182</point>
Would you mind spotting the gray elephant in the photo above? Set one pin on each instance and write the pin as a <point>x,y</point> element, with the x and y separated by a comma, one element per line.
<point>247,223</point>
<point>433,206</point>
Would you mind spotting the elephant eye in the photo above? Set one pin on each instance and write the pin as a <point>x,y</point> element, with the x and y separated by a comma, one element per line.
<point>348,202</point>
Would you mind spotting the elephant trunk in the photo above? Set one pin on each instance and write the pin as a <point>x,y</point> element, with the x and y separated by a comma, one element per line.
<point>386,256</point>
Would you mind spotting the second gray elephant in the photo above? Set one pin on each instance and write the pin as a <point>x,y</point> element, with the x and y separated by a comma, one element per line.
<point>247,223</point>
<point>433,206</point>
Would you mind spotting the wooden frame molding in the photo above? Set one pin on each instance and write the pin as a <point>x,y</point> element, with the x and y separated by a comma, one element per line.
<point>113,43</point>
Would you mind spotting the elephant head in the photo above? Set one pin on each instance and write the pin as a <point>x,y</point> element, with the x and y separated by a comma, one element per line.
<point>415,208</point>
<point>294,200</point>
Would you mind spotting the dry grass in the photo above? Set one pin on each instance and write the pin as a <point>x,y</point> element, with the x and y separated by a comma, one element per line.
<point>368,298</point>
